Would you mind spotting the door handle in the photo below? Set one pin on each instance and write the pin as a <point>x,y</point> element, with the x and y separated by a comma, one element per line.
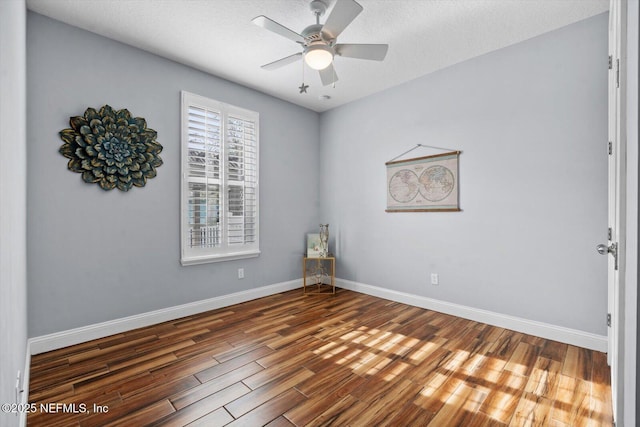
<point>604,249</point>
<point>611,249</point>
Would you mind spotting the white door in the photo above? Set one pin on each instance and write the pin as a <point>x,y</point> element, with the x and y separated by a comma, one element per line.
<point>614,248</point>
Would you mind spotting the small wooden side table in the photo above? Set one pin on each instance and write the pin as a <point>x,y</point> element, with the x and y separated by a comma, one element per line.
<point>319,276</point>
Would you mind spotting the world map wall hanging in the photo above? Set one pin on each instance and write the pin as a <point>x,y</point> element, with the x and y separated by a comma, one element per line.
<point>423,184</point>
<point>111,148</point>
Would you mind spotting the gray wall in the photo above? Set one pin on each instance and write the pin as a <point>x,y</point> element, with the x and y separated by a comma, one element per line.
<point>95,255</point>
<point>531,121</point>
<point>13,203</point>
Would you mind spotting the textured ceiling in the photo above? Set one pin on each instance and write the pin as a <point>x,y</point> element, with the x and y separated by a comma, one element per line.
<point>217,36</point>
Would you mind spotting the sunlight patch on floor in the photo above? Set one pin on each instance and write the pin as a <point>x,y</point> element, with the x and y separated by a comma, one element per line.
<point>348,357</point>
<point>502,390</point>
<point>500,405</point>
<point>434,385</point>
<point>426,349</point>
<point>455,362</point>
<point>396,371</point>
<point>335,351</point>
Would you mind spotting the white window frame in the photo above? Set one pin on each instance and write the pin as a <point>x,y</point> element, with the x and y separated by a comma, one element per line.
<point>226,251</point>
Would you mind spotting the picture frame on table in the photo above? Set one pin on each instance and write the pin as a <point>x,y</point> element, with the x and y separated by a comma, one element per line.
<point>314,245</point>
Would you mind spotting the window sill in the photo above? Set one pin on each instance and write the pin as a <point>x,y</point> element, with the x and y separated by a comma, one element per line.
<point>206,259</point>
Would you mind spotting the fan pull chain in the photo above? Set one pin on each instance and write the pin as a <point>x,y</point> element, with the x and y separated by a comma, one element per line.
<point>303,87</point>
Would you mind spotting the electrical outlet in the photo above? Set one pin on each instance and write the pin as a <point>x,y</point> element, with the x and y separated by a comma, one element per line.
<point>241,273</point>
<point>434,279</point>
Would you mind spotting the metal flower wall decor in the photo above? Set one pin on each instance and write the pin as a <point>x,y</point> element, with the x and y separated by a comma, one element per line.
<point>111,148</point>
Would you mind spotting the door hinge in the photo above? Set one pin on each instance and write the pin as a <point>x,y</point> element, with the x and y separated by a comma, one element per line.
<point>609,234</point>
<point>609,319</point>
<point>617,69</point>
<point>610,148</point>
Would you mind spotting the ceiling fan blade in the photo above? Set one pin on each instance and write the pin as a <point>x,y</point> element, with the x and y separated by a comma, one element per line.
<point>341,15</point>
<point>328,75</point>
<point>271,25</point>
<point>375,52</point>
<point>282,62</point>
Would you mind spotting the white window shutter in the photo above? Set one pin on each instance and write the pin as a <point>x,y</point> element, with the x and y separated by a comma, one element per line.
<point>220,181</point>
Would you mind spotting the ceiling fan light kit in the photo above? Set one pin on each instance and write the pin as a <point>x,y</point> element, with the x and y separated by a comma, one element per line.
<point>319,41</point>
<point>318,56</point>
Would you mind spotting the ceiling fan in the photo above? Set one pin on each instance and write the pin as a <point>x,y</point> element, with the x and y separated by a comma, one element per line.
<point>318,41</point>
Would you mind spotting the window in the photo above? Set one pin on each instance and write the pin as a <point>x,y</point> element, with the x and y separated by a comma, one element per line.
<point>219,210</point>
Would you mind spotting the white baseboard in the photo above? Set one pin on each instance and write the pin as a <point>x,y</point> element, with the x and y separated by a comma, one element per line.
<point>62,339</point>
<point>531,327</point>
<point>24,392</point>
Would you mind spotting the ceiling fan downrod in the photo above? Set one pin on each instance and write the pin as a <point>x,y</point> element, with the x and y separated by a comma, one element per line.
<point>318,8</point>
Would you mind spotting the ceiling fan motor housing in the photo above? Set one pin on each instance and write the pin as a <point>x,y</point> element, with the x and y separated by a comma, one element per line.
<point>313,33</point>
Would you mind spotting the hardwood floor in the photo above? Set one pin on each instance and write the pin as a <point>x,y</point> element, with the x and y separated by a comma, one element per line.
<point>348,359</point>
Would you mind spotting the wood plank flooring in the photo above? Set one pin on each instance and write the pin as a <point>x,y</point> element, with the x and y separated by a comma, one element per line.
<point>343,360</point>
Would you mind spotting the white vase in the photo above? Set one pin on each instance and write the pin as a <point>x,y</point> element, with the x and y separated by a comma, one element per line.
<point>324,240</point>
